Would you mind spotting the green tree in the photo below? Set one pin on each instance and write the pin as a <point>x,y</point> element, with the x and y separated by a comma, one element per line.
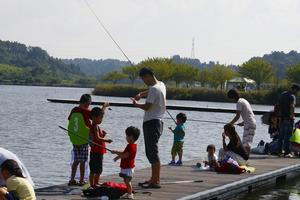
<point>203,76</point>
<point>219,74</point>
<point>162,67</point>
<point>293,73</point>
<point>258,70</point>
<point>132,73</point>
<point>114,76</point>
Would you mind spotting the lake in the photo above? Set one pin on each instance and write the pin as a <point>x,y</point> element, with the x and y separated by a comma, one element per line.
<point>29,128</point>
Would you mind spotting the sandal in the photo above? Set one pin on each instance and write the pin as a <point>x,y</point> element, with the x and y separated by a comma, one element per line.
<point>151,185</point>
<point>72,183</point>
<point>143,183</point>
<point>81,183</point>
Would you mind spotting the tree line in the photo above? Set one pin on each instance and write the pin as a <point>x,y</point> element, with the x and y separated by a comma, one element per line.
<point>216,76</point>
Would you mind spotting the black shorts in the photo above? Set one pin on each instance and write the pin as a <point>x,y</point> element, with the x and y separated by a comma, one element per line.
<point>96,163</point>
<point>152,131</point>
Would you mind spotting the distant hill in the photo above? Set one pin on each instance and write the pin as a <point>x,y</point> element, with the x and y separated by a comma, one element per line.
<point>26,64</point>
<point>97,67</point>
<point>280,60</point>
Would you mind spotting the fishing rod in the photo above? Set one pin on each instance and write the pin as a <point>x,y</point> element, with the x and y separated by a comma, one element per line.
<point>106,30</point>
<point>119,47</point>
<point>171,116</point>
<point>87,140</point>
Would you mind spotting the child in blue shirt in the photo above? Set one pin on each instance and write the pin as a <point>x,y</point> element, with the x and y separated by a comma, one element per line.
<point>179,133</point>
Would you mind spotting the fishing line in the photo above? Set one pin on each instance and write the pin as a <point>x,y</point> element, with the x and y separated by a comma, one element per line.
<point>200,120</point>
<point>85,139</point>
<point>106,30</point>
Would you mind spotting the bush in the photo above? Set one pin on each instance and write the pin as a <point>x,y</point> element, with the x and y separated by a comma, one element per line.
<point>268,97</point>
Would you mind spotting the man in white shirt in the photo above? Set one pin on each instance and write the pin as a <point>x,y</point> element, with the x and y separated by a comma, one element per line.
<point>154,107</point>
<point>243,108</point>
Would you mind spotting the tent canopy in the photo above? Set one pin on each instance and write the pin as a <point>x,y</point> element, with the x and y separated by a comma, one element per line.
<point>242,80</point>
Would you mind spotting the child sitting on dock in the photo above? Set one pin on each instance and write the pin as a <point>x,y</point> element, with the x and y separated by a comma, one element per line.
<point>97,135</point>
<point>179,133</point>
<point>18,188</point>
<point>212,158</point>
<point>128,159</point>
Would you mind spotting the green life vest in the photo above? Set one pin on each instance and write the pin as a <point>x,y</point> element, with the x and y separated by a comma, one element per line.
<point>296,136</point>
<point>79,132</point>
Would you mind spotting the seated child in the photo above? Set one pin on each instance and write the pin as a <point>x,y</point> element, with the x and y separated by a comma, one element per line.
<point>97,135</point>
<point>179,133</point>
<point>212,158</point>
<point>17,186</point>
<point>128,159</point>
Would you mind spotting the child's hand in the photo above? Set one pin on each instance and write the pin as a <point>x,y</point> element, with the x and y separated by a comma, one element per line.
<point>109,141</point>
<point>170,128</point>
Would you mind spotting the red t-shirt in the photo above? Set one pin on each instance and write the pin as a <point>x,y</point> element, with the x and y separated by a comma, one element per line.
<point>86,114</point>
<point>129,161</point>
<point>93,132</point>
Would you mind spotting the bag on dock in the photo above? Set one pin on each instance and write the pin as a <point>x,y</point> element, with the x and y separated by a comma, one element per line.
<point>229,166</point>
<point>110,189</point>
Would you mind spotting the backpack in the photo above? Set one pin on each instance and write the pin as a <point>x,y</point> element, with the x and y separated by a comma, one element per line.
<point>110,189</point>
<point>230,166</point>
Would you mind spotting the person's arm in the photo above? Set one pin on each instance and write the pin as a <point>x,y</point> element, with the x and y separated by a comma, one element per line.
<point>292,108</point>
<point>146,106</point>
<point>224,143</point>
<point>103,139</point>
<point>140,95</point>
<point>120,155</point>
<point>236,118</point>
<point>104,106</point>
<point>173,131</point>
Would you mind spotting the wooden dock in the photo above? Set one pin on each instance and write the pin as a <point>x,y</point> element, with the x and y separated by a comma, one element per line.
<point>215,186</point>
<point>169,107</point>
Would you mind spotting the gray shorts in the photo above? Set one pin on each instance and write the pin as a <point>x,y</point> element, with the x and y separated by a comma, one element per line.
<point>152,131</point>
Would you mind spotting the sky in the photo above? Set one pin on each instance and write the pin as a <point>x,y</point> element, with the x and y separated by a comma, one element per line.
<point>228,31</point>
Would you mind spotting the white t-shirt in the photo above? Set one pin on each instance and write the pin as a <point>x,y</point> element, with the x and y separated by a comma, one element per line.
<point>157,97</point>
<point>211,158</point>
<point>246,112</point>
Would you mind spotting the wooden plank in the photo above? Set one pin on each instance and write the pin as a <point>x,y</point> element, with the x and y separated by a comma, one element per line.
<point>267,168</point>
<point>169,107</point>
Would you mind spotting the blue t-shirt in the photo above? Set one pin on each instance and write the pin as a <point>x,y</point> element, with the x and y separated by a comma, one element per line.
<point>179,133</point>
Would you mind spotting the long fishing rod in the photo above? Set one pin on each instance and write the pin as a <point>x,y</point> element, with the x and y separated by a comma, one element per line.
<point>87,140</point>
<point>171,116</point>
<point>116,43</point>
<point>108,33</point>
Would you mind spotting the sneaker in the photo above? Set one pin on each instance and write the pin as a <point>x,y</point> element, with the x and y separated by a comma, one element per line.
<point>127,196</point>
<point>172,162</point>
<point>179,162</point>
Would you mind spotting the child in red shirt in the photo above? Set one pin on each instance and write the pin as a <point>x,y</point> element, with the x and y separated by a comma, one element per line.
<point>97,135</point>
<point>128,158</point>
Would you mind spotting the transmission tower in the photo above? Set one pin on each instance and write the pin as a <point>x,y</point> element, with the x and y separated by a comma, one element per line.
<point>193,48</point>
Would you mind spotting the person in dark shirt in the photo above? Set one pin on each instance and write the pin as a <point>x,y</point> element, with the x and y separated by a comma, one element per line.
<point>287,102</point>
<point>234,148</point>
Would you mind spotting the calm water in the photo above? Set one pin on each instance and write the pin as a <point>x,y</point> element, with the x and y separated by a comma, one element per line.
<point>29,128</point>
